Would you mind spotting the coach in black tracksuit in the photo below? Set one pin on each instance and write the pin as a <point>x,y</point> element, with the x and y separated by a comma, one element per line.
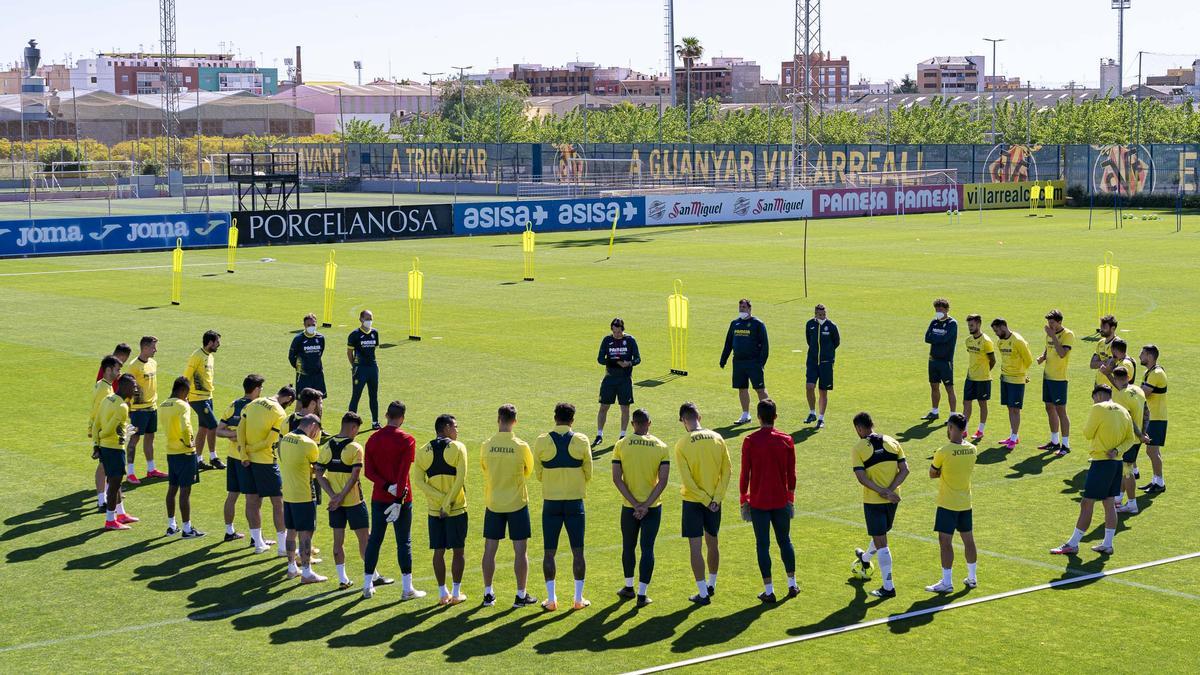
<point>305,356</point>
<point>618,354</point>
<point>942,336</point>
<point>747,341</point>
<point>823,340</point>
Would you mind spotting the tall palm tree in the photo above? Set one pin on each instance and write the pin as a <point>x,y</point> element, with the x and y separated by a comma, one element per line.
<point>690,51</point>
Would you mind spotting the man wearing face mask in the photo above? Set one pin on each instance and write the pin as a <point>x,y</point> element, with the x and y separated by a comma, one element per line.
<point>618,354</point>
<point>823,340</point>
<point>305,356</point>
<point>747,341</point>
<point>364,371</point>
<point>942,336</point>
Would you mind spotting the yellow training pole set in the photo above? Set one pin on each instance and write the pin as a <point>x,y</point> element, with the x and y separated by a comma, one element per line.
<point>177,273</point>
<point>416,293</point>
<point>330,285</point>
<point>231,252</point>
<point>1106,286</point>
<point>612,235</point>
<point>677,329</point>
<point>1035,195</point>
<point>527,244</point>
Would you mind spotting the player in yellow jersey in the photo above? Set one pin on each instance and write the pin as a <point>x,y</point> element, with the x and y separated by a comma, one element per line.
<point>111,430</point>
<point>1130,397</point>
<point>142,409</point>
<point>237,476</point>
<point>199,372</point>
<point>507,462</point>
<point>263,423</point>
<point>641,465</point>
<point>440,471</point>
<point>1056,357</point>
<point>1154,384</point>
<point>110,370</point>
<point>1015,360</point>
<point>563,463</point>
<point>952,467</point>
<point>981,358</point>
<point>1109,430</point>
<point>1104,355</point>
<point>704,471</point>
<point>880,466</point>
<point>183,471</point>
<point>297,453</point>
<point>339,467</point>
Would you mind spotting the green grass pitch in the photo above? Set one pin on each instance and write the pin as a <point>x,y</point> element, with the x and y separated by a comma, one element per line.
<point>79,598</point>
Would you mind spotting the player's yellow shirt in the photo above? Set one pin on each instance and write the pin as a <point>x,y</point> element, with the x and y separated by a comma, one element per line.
<point>1156,400</point>
<point>1015,358</point>
<point>1131,366</point>
<point>199,372</point>
<point>507,462</point>
<point>1108,427</point>
<point>112,420</point>
<point>1133,400</point>
<point>562,460</point>
<point>101,391</point>
<point>297,453</point>
<point>1056,366</point>
<point>262,425</point>
<point>880,457</point>
<point>704,468</point>
<point>1104,352</point>
<point>232,417</point>
<point>440,471</point>
<point>956,461</point>
<point>640,457</point>
<point>175,419</point>
<point>338,457</point>
<point>145,373</point>
<point>978,348</point>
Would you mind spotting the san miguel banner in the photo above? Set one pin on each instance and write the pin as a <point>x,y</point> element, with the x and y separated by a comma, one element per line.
<point>321,225</point>
<point>1009,195</point>
<point>728,207</point>
<point>104,234</point>
<point>830,203</point>
<point>548,215</point>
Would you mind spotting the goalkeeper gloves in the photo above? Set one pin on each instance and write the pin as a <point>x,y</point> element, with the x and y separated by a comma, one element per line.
<point>746,512</point>
<point>392,512</point>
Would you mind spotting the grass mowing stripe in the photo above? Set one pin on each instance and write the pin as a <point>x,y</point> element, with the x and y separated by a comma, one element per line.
<point>916,613</point>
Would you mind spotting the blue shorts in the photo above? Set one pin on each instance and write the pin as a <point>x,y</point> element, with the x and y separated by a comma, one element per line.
<point>820,374</point>
<point>977,390</point>
<point>183,470</point>
<point>1157,431</point>
<point>265,480</point>
<point>204,414</point>
<point>231,475</point>
<point>310,381</point>
<point>748,375</point>
<point>1012,395</point>
<point>1103,479</point>
<point>941,372</point>
<point>563,513</point>
<point>616,388</point>
<point>113,461</point>
<point>355,516</point>
<point>516,522</point>
<point>245,478</point>
<point>879,518</point>
<point>1054,392</point>
<point>449,532</point>
<point>947,521</point>
<point>1130,455</point>
<point>698,520</point>
<point>300,516</point>
<point>145,421</point>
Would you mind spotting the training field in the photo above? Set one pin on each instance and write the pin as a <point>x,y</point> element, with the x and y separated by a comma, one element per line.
<point>85,600</point>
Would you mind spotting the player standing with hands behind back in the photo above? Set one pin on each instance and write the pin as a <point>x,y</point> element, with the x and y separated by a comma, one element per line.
<point>942,336</point>
<point>747,341</point>
<point>823,340</point>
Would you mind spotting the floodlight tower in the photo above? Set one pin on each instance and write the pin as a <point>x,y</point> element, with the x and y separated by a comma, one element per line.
<point>1120,6</point>
<point>170,94</point>
<point>804,85</point>
<point>669,11</point>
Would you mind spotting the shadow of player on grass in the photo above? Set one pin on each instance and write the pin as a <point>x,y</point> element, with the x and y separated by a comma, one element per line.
<point>109,559</point>
<point>503,637</point>
<point>900,626</point>
<point>455,624</point>
<point>715,629</point>
<point>1032,465</point>
<point>240,595</point>
<point>52,513</point>
<point>919,431</point>
<point>35,552</point>
<point>321,627</point>
<point>854,611</point>
<point>400,622</point>
<point>589,633</point>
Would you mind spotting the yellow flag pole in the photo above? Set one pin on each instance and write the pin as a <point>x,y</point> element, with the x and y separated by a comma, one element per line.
<point>612,236</point>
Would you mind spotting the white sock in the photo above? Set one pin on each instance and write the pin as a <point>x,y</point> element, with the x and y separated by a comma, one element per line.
<point>1158,480</point>
<point>628,582</point>
<point>769,588</point>
<point>550,594</point>
<point>187,526</point>
<point>971,570</point>
<point>792,582</point>
<point>212,455</point>
<point>487,590</point>
<point>1054,437</point>
<point>521,593</point>
<point>229,529</point>
<point>947,577</point>
<point>1012,436</point>
<point>443,591</point>
<point>149,465</point>
<point>1075,537</point>
<point>579,590</point>
<point>456,589</point>
<point>110,516</point>
<point>623,432</point>
<point>292,569</point>
<point>120,508</point>
<point>821,417</point>
<point>885,566</point>
<point>1108,536</point>
<point>171,522</point>
<point>281,539</point>
<point>306,571</point>
<point>101,498</point>
<point>599,431</point>
<point>981,427</point>
<point>1066,442</point>
<point>406,580</point>
<point>341,572</point>
<point>812,411</point>
<point>129,469</point>
<point>642,588</point>
<point>869,553</point>
<point>369,580</point>
<point>935,410</point>
<point>703,588</point>
<point>256,537</point>
<point>712,579</point>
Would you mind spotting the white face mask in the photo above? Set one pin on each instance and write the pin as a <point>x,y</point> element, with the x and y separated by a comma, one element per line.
<point>743,315</point>
<point>821,321</point>
<point>367,324</point>
<point>939,315</point>
<point>310,330</point>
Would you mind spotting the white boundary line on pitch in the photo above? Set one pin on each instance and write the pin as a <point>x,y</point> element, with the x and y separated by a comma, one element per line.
<point>117,269</point>
<point>913,614</point>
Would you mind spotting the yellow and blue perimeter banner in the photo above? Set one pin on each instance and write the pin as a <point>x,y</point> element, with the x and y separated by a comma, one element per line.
<point>56,236</point>
<point>1009,195</point>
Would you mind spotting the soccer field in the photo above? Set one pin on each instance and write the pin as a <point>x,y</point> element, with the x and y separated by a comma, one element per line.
<point>81,599</point>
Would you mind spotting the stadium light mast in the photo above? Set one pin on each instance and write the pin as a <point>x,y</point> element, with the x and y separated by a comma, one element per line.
<point>358,67</point>
<point>994,41</point>
<point>1120,6</point>
<point>807,41</point>
<point>170,95</point>
<point>669,11</point>
<point>462,86</point>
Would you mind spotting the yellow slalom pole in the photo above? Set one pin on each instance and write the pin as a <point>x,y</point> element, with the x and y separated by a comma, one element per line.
<point>527,247</point>
<point>330,286</point>
<point>1107,276</point>
<point>612,235</point>
<point>416,294</point>
<point>231,252</point>
<point>677,329</point>
<point>177,273</point>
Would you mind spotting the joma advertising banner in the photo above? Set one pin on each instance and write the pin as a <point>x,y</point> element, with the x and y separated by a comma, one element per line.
<point>728,207</point>
<point>55,236</point>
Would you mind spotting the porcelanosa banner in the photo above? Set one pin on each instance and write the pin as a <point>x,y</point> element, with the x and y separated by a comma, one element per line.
<point>728,207</point>
<point>311,226</point>
<point>886,200</point>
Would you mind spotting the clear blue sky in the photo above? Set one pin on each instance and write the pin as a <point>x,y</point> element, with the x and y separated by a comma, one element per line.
<point>1048,42</point>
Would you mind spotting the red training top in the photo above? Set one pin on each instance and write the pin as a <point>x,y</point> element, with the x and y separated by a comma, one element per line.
<point>768,479</point>
<point>389,454</point>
